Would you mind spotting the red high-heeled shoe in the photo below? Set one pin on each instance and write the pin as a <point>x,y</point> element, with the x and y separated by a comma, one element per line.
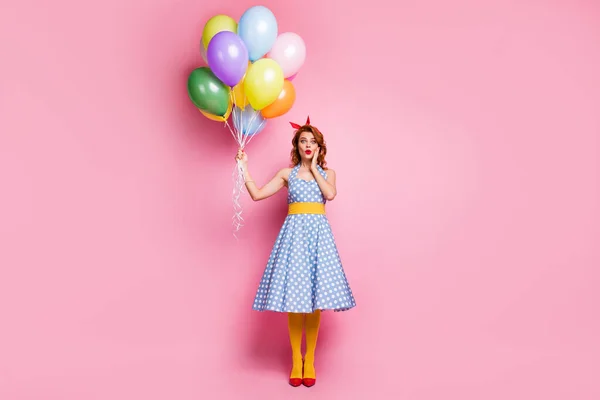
<point>295,382</point>
<point>308,382</point>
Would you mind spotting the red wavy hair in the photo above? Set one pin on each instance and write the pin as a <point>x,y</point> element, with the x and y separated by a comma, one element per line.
<point>295,154</point>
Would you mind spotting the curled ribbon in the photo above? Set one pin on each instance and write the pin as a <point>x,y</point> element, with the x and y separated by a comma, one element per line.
<point>238,171</point>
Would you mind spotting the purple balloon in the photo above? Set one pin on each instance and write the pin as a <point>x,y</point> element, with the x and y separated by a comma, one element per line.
<point>227,57</point>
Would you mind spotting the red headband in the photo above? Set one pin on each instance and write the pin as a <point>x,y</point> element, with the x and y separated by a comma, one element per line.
<point>296,126</point>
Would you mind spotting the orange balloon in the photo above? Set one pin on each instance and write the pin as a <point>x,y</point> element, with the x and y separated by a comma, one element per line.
<point>283,103</point>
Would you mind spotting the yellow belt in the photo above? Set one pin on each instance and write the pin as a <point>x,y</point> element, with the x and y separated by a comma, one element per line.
<point>306,208</point>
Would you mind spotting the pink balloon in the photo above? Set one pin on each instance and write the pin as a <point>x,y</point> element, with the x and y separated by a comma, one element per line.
<point>289,51</point>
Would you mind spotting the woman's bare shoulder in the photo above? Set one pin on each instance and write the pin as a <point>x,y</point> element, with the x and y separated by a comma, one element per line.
<point>328,170</point>
<point>330,175</point>
<point>285,172</point>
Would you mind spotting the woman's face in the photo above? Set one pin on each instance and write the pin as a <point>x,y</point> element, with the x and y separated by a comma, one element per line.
<point>307,145</point>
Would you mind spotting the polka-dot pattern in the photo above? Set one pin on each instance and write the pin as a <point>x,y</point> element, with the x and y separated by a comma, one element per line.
<point>304,272</point>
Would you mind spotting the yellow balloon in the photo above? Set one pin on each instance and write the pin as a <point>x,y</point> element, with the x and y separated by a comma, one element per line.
<point>217,24</point>
<point>217,117</point>
<point>263,83</point>
<point>239,94</point>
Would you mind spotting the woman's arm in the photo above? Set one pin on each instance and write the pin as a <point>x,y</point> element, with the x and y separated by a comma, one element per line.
<point>327,186</point>
<point>268,190</point>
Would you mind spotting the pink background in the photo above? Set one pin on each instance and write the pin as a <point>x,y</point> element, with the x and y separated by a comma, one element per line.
<point>465,135</point>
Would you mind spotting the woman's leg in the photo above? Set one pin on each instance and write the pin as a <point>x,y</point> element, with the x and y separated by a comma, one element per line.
<point>313,321</point>
<point>295,326</point>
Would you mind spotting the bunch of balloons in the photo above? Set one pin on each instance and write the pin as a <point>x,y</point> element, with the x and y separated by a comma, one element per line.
<point>248,78</point>
<point>250,71</point>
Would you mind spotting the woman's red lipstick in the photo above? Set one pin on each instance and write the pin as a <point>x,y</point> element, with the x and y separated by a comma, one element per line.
<point>308,152</point>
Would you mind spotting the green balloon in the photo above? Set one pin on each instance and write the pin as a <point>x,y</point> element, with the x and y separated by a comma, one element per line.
<point>207,92</point>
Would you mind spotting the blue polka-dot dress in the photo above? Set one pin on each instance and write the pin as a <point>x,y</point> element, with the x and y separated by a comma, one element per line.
<point>304,272</point>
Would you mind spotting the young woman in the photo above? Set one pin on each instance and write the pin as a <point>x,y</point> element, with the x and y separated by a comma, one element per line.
<point>304,273</point>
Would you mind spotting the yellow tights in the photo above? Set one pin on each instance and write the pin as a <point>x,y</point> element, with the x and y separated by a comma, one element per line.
<point>297,322</point>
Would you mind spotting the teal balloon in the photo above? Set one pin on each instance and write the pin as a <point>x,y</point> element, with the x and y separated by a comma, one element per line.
<point>248,121</point>
<point>207,92</point>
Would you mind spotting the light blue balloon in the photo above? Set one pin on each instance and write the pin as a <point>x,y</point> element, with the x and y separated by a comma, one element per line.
<point>248,121</point>
<point>258,29</point>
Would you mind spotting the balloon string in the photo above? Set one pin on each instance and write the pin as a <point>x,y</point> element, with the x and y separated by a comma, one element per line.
<point>232,131</point>
<point>242,138</point>
<point>254,113</point>
<point>238,171</point>
<point>259,128</point>
<point>238,184</point>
